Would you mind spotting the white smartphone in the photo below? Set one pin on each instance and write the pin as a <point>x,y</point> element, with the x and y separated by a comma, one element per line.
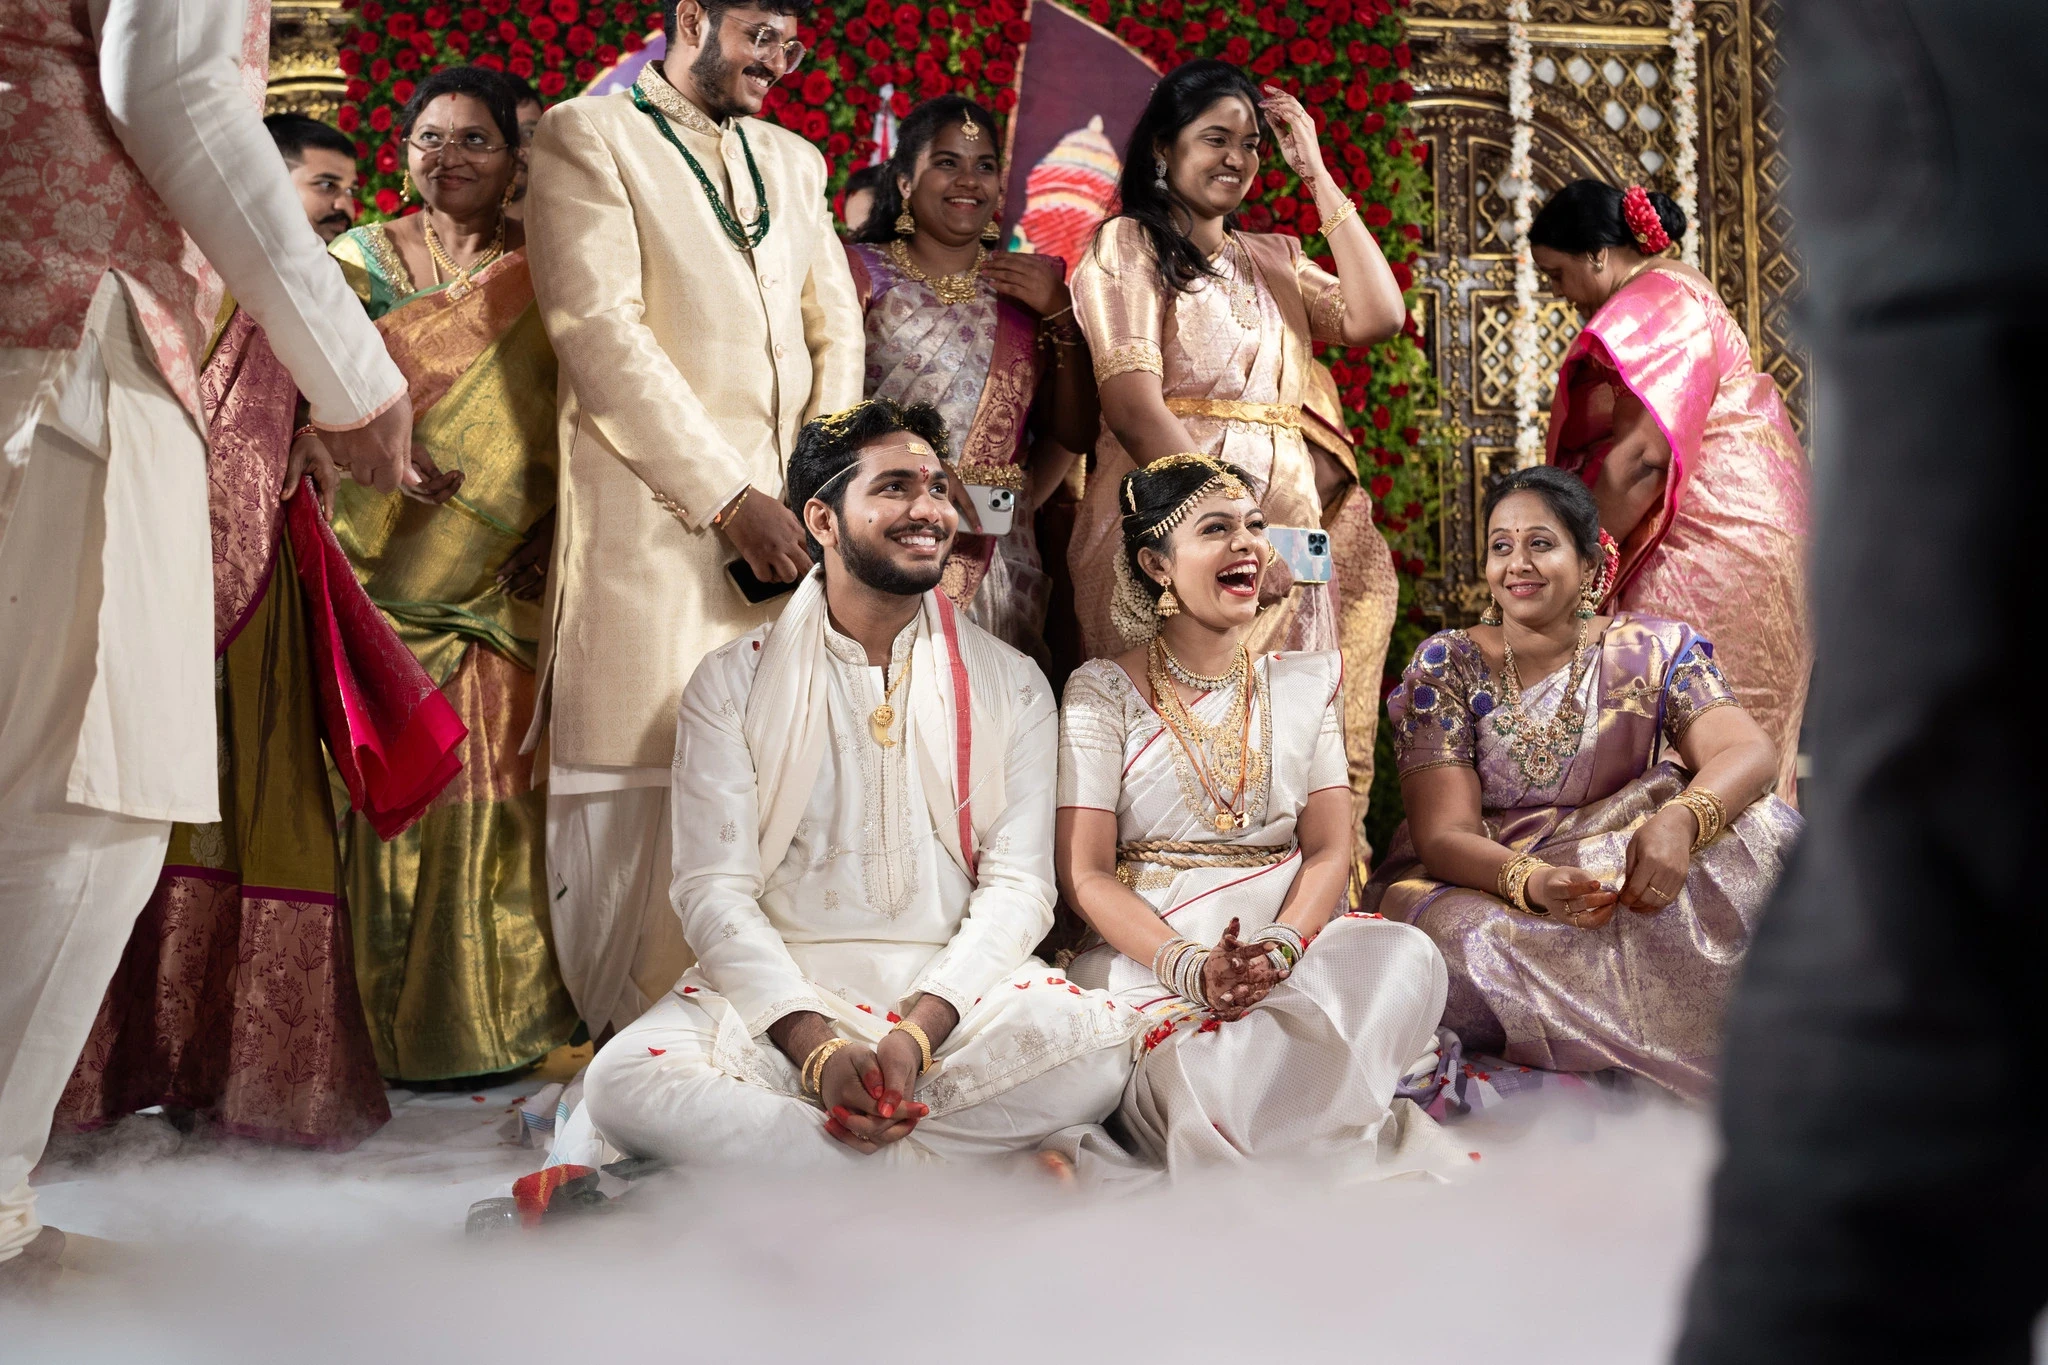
<point>997,506</point>
<point>1305,552</point>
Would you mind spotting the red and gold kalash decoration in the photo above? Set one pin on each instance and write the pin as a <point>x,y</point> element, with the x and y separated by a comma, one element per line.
<point>1346,59</point>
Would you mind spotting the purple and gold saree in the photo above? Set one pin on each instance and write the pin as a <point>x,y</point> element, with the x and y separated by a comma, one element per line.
<point>1643,993</point>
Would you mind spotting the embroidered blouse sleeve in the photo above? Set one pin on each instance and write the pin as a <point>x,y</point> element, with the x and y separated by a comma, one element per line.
<point>1431,711</point>
<point>1323,294</point>
<point>1696,685</point>
<point>1329,766</point>
<point>1120,301</point>
<point>714,811</point>
<point>1092,739</point>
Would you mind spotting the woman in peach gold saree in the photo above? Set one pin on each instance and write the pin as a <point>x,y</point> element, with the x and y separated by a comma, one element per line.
<point>1685,445</point>
<point>454,950</point>
<point>1201,341</point>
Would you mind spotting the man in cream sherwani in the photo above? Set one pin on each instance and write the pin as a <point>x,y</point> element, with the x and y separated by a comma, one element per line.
<point>700,305</point>
<point>863,798</point>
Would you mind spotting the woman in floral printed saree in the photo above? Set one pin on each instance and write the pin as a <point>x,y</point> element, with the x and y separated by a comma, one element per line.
<point>1540,801</point>
<point>987,338</point>
<point>454,952</point>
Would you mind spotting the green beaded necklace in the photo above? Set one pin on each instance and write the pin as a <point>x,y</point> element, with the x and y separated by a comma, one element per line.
<point>744,237</point>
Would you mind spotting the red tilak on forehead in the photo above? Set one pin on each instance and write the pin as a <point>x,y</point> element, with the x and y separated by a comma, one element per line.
<point>924,471</point>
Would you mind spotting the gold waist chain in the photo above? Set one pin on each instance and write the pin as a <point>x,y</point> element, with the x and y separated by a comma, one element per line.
<point>1231,410</point>
<point>1150,864</point>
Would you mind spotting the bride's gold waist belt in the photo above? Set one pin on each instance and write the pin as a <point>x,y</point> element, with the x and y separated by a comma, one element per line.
<point>1150,864</point>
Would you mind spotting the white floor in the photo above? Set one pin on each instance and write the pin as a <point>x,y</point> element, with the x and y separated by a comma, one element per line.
<point>1569,1241</point>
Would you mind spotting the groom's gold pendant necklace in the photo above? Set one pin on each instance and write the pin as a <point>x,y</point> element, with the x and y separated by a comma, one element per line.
<point>882,719</point>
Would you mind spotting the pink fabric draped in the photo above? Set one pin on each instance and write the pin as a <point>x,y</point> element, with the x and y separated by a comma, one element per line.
<point>393,736</point>
<point>1726,548</point>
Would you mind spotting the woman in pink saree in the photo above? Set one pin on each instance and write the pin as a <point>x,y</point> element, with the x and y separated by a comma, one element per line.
<point>1685,445</point>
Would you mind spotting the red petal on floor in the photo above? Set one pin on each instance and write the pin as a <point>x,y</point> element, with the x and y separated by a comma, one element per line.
<point>478,1098</point>
<point>657,1051</point>
<point>893,1017</point>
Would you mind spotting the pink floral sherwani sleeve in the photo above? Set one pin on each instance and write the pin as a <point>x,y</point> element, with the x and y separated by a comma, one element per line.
<point>171,74</point>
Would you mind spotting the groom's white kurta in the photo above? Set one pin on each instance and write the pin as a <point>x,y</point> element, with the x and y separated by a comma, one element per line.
<point>817,869</point>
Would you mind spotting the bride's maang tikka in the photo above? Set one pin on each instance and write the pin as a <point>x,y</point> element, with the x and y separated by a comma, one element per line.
<point>1221,480</point>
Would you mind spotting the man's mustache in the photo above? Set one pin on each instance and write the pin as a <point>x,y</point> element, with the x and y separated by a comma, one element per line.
<point>763,72</point>
<point>337,220</point>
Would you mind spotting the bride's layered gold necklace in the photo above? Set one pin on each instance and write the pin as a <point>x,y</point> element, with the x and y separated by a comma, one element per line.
<point>1222,755</point>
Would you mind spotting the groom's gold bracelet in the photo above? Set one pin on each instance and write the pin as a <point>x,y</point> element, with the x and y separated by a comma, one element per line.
<point>813,1071</point>
<point>921,1038</point>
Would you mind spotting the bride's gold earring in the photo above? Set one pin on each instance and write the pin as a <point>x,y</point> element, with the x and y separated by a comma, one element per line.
<point>1169,605</point>
<point>906,226</point>
<point>1491,616</point>
<point>992,233</point>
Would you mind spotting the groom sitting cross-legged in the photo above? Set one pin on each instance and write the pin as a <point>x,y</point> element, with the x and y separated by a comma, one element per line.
<point>863,806</point>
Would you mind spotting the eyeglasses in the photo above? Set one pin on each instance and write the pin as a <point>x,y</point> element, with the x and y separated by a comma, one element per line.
<point>767,41</point>
<point>472,145</point>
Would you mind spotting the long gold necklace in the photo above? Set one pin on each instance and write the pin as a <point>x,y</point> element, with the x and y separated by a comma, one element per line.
<point>1542,751</point>
<point>883,718</point>
<point>461,277</point>
<point>951,289</point>
<point>1231,761</point>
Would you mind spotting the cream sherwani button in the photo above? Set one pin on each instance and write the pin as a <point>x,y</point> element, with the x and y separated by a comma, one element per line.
<point>780,350</point>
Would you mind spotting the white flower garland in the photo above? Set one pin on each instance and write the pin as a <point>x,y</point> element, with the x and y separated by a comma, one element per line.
<point>1526,358</point>
<point>1685,113</point>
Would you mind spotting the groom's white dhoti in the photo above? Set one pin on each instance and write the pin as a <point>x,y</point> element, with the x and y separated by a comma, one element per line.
<point>818,869</point>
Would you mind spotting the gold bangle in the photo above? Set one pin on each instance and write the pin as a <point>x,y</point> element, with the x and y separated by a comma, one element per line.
<point>1513,884</point>
<point>1336,220</point>
<point>921,1038</point>
<point>813,1072</point>
<point>718,522</point>
<point>1708,812</point>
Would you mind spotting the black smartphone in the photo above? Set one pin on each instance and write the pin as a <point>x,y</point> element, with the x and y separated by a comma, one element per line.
<point>751,587</point>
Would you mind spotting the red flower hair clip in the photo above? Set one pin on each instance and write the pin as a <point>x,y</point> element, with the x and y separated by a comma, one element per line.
<point>1609,570</point>
<point>1643,223</point>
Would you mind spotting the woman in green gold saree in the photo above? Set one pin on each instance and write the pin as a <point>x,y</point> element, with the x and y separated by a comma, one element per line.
<point>453,948</point>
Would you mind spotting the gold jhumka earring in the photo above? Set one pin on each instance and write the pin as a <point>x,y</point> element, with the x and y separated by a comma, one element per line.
<point>906,226</point>
<point>1491,616</point>
<point>1169,605</point>
<point>405,185</point>
<point>991,234</point>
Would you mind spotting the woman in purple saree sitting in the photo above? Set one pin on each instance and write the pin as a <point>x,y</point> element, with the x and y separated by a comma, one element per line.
<point>1561,767</point>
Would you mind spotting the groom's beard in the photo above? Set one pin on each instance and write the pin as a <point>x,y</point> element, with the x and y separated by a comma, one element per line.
<point>873,567</point>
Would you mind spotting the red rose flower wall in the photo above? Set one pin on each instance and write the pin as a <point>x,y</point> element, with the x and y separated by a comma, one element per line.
<point>1344,58</point>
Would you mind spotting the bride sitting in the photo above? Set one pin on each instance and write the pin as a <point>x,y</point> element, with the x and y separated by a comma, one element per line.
<point>1204,834</point>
